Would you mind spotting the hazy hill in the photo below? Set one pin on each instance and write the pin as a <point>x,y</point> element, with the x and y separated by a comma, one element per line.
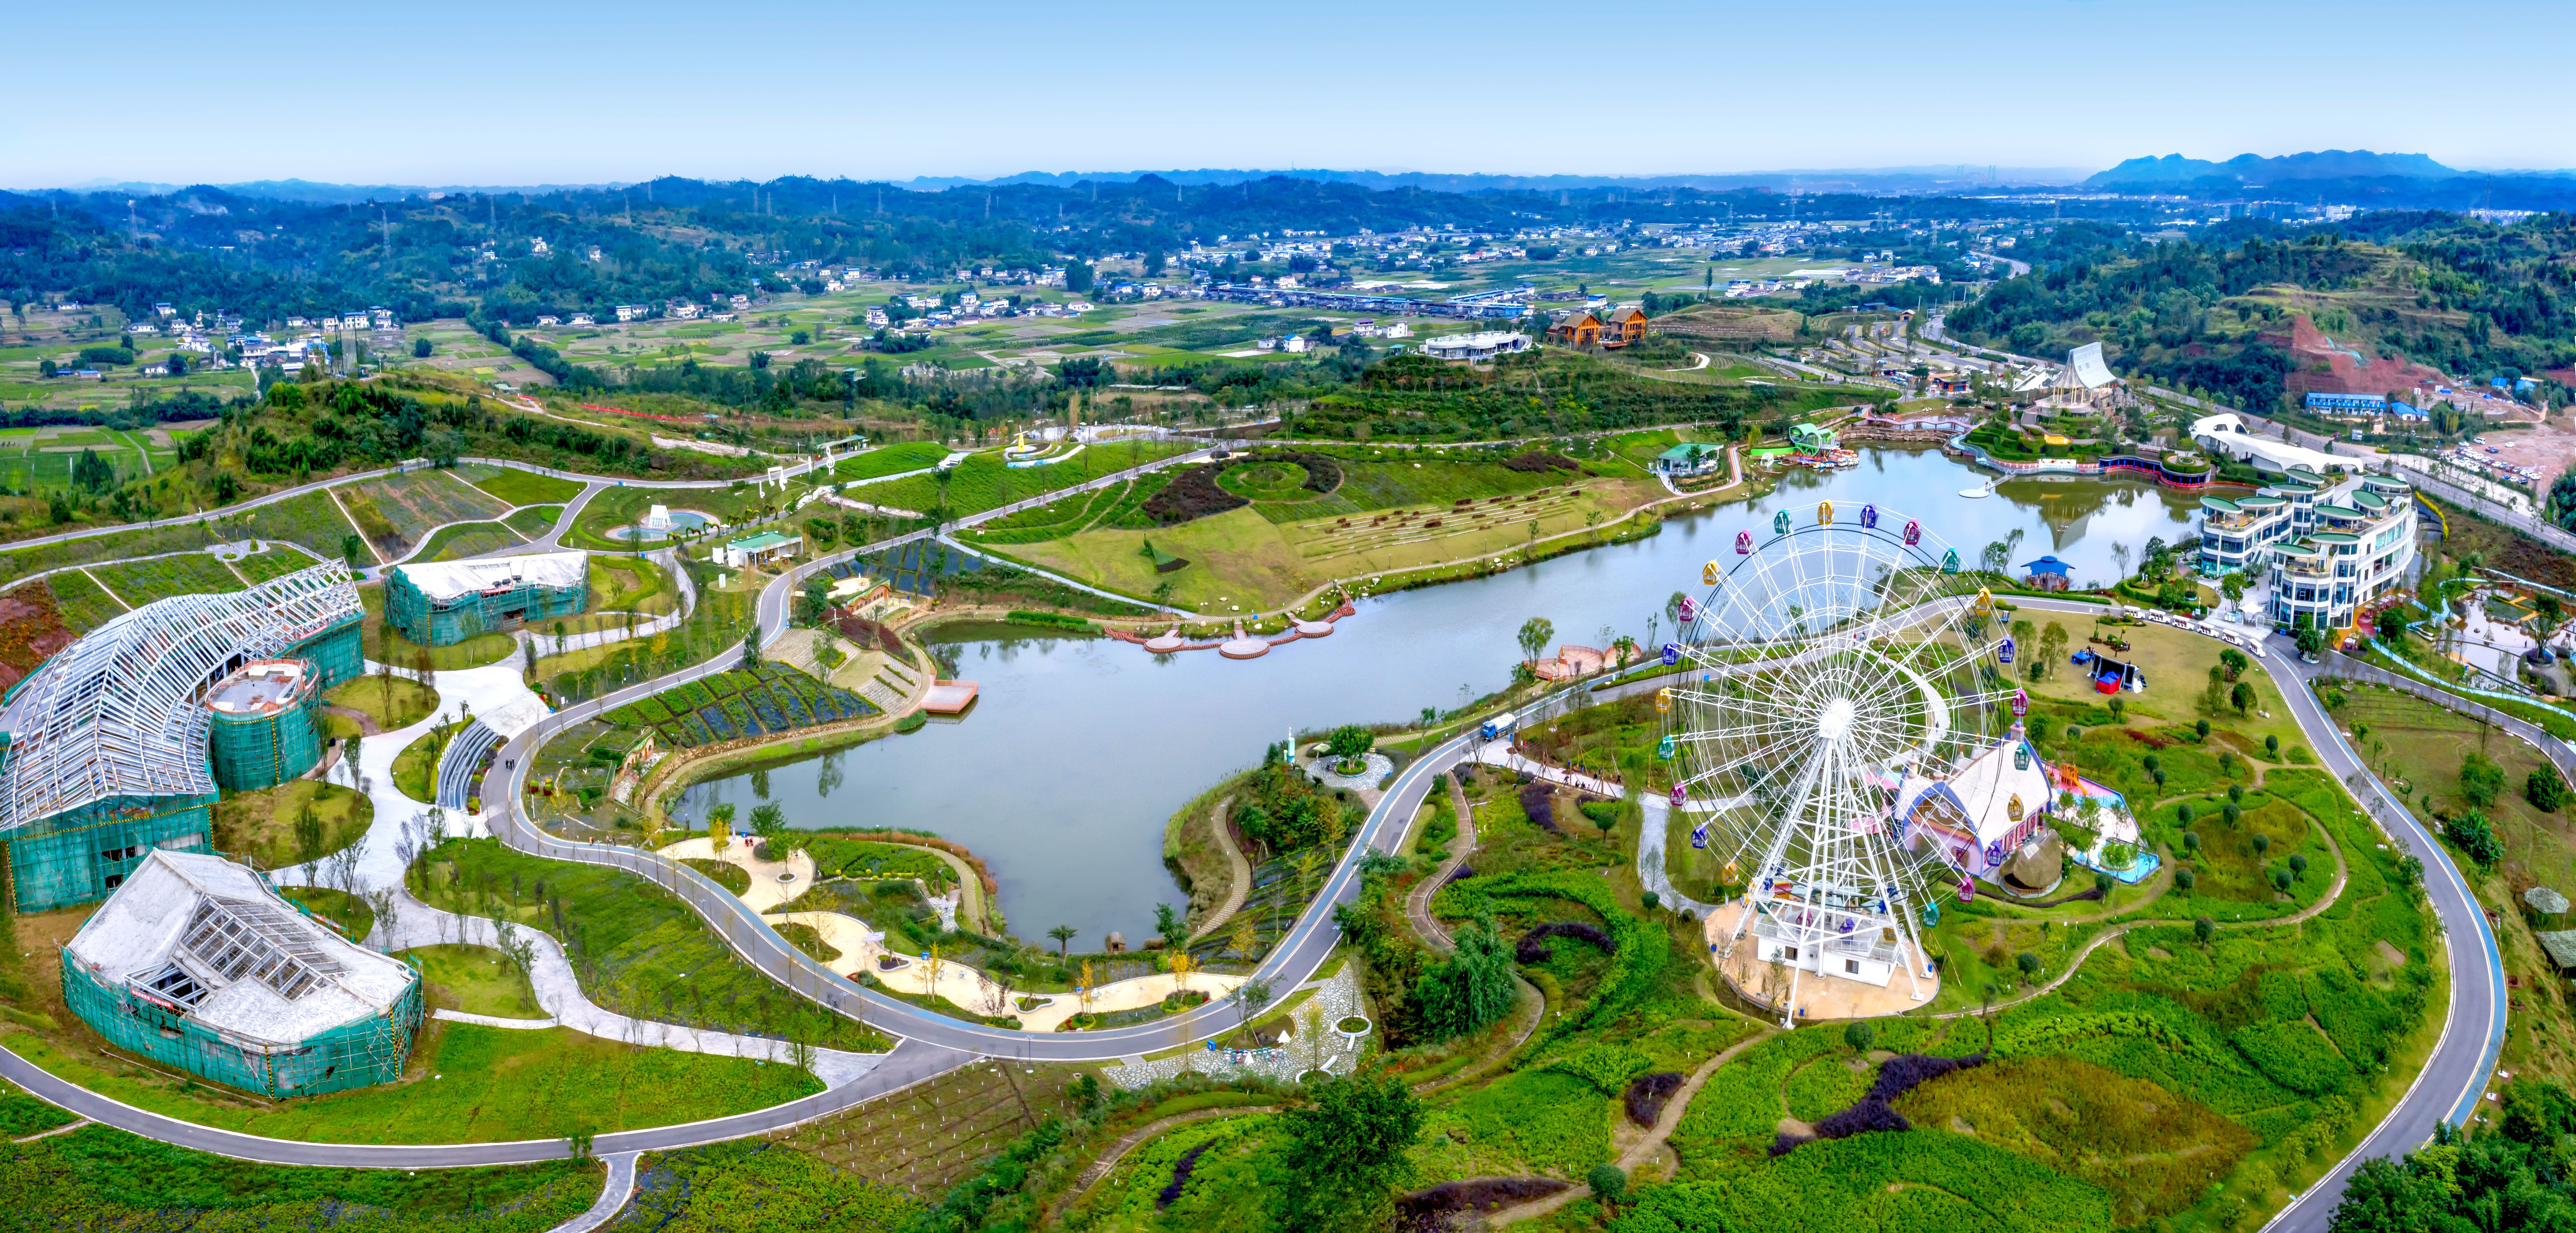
<point>2252,169</point>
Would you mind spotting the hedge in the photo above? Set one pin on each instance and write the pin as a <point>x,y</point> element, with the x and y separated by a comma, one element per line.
<point>1643,951</point>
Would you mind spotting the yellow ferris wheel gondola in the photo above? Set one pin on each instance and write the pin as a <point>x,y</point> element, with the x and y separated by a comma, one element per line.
<point>1710,573</point>
<point>1824,513</point>
<point>1664,700</point>
<point>1985,602</point>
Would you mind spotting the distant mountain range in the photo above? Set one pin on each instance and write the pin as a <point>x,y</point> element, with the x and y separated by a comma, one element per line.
<point>1888,180</point>
<point>2256,170</point>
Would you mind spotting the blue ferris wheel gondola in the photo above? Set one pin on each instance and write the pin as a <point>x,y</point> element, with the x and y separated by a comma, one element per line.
<point>1869,517</point>
<point>1664,749</point>
<point>1950,561</point>
<point>2004,651</point>
<point>1672,654</point>
<point>1780,523</point>
<point>1913,532</point>
<point>1699,835</point>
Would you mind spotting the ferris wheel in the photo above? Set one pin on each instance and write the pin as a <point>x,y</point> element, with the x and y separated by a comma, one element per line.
<point>1826,665</point>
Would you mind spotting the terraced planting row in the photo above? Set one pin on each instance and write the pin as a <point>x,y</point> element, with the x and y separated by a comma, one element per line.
<point>731,705</point>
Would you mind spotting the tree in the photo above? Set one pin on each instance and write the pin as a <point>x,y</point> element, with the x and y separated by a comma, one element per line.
<point>720,819</point>
<point>2481,779</point>
<point>1608,1181</point>
<point>2233,662</point>
<point>1170,926</point>
<point>2241,697</point>
<point>768,820</point>
<point>2311,640</point>
<point>1470,988</point>
<point>2545,789</point>
<point>751,651</point>
<point>1860,1035</point>
<point>1350,741</point>
<point>2203,929</point>
<point>1347,1153</point>
<point>815,602</point>
<point>2233,587</point>
<point>1249,997</point>
<point>1063,935</point>
<point>1535,634</point>
<point>420,348</point>
<point>2027,962</point>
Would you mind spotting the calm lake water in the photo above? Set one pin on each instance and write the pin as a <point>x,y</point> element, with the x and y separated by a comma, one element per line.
<point>1079,750</point>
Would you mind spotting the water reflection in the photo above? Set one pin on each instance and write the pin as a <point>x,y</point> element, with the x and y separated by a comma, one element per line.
<point>1079,750</point>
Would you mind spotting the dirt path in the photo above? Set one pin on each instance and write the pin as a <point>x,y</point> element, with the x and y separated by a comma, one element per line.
<point>1241,888</point>
<point>1091,1175</point>
<point>1647,1144</point>
<point>1417,905</point>
<point>367,725</point>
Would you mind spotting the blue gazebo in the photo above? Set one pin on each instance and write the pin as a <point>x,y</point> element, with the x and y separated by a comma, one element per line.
<point>2048,574</point>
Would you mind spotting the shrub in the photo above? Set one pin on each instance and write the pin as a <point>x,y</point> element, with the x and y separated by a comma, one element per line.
<point>2472,834</point>
<point>2292,1054</point>
<point>2545,789</point>
<point>1608,1182</point>
<point>2481,780</point>
<point>1643,949</point>
<point>1538,800</point>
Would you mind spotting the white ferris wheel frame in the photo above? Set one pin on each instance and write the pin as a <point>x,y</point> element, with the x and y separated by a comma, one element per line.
<point>1838,654</point>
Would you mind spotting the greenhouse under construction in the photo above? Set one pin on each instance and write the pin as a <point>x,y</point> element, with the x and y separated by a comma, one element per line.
<point>197,963</point>
<point>107,751</point>
<point>446,602</point>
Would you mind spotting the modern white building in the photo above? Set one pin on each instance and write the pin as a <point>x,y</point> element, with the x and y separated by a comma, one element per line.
<point>1478,347</point>
<point>2319,547</point>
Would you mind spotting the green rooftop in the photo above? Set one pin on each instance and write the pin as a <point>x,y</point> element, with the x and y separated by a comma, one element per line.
<point>759,543</point>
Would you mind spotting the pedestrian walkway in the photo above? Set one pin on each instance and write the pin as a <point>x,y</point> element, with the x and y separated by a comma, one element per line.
<point>413,923</point>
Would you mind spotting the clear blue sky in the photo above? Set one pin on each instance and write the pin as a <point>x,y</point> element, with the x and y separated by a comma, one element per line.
<point>478,92</point>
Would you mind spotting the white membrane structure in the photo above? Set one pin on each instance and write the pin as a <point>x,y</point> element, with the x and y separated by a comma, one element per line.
<point>1824,663</point>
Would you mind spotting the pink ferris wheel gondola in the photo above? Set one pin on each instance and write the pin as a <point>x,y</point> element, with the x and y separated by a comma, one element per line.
<point>1913,531</point>
<point>1743,543</point>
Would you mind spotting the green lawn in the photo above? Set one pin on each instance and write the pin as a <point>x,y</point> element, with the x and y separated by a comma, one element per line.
<point>261,825</point>
<point>393,701</point>
<point>641,950</point>
<point>519,487</point>
<point>890,460</point>
<point>97,1178</point>
<point>468,539</point>
<point>476,1084</point>
<point>983,482</point>
<point>535,520</point>
<point>416,767</point>
<point>275,561</point>
<point>476,980</point>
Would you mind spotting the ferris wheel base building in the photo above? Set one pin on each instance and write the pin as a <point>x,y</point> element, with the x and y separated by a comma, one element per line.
<point>120,745</point>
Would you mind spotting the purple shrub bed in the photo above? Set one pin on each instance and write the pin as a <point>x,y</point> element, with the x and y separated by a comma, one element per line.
<point>1428,1209</point>
<point>1898,1076</point>
<point>1533,946</point>
<point>1181,1170</point>
<point>1648,1094</point>
<point>1538,800</point>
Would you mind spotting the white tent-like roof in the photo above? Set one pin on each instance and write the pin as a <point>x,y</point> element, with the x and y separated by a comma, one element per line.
<point>451,579</point>
<point>2084,367</point>
<point>209,939</point>
<point>116,713</point>
<point>2224,434</point>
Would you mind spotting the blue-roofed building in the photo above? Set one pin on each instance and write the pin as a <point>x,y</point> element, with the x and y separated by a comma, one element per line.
<point>2047,574</point>
<point>2346,404</point>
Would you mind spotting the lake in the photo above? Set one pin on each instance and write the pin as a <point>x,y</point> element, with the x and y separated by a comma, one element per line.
<point>1079,750</point>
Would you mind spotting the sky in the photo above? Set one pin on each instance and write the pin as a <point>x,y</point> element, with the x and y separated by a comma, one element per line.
<point>475,92</point>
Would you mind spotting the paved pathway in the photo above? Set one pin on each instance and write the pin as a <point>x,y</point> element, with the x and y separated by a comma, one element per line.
<point>1644,1149</point>
<point>1417,905</point>
<point>614,1191</point>
<point>1238,868</point>
<point>1092,1174</point>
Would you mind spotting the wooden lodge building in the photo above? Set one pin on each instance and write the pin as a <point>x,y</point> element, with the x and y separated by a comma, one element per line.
<point>1585,330</point>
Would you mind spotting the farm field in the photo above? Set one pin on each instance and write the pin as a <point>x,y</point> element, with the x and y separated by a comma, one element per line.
<point>313,520</point>
<point>275,561</point>
<point>85,605</point>
<point>140,582</point>
<point>397,511</point>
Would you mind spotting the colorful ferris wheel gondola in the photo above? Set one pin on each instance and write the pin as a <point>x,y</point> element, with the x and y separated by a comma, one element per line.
<point>1699,836</point>
<point>1686,611</point>
<point>1780,523</point>
<point>1913,532</point>
<point>1664,749</point>
<point>1672,654</point>
<point>1681,796</point>
<point>1869,517</point>
<point>1824,513</point>
<point>1744,543</point>
<point>2004,651</point>
<point>1950,561</point>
